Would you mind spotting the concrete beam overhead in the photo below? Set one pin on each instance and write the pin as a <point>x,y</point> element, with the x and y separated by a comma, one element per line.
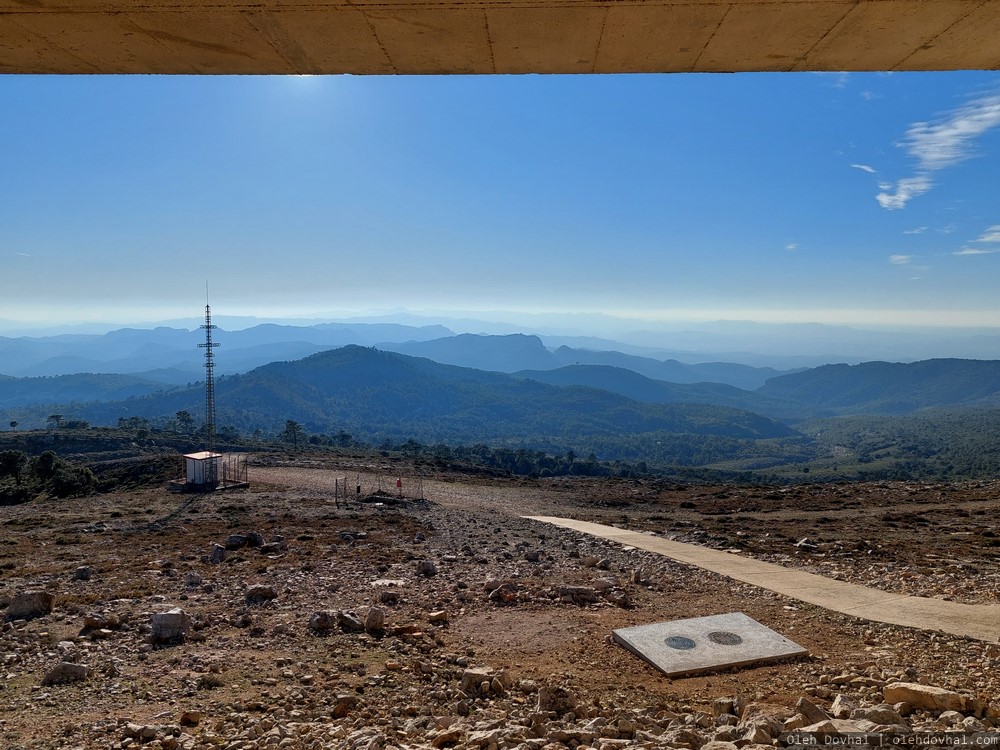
<point>495,36</point>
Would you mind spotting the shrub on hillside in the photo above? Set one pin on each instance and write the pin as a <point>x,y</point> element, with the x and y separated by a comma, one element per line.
<point>23,479</point>
<point>72,481</point>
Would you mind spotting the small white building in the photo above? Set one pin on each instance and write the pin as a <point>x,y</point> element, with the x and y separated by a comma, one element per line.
<point>202,468</point>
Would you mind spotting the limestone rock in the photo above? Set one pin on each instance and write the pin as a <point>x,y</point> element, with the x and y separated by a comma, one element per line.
<point>29,605</point>
<point>950,718</point>
<point>66,672</point>
<point>759,725</point>
<point>972,724</point>
<point>322,622</point>
<point>556,699</point>
<point>882,714</point>
<point>344,705</point>
<point>923,696</point>
<point>447,737</point>
<point>375,620</point>
<point>682,737</point>
<point>842,707</point>
<point>170,627</point>
<point>349,621</point>
<point>191,580</point>
<point>426,568</point>
<point>795,722</point>
<point>260,594</point>
<point>811,711</point>
<point>724,706</point>
<point>505,593</point>
<point>832,727</point>
<point>577,594</point>
<point>473,679</point>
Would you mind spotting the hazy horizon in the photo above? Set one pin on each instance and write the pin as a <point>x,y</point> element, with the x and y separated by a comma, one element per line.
<point>780,345</point>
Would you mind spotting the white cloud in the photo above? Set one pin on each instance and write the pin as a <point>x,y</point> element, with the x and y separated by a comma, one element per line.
<point>915,230</point>
<point>941,144</point>
<point>949,142</point>
<point>974,251</point>
<point>900,260</point>
<point>792,246</point>
<point>864,168</point>
<point>869,95</point>
<point>906,189</point>
<point>990,235</point>
<point>838,78</point>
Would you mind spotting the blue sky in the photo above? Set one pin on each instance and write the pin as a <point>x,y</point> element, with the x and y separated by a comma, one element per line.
<point>867,199</point>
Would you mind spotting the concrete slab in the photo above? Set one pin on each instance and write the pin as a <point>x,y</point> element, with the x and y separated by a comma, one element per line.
<point>706,644</point>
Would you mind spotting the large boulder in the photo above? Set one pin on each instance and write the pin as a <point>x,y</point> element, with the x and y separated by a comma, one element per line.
<point>923,696</point>
<point>29,605</point>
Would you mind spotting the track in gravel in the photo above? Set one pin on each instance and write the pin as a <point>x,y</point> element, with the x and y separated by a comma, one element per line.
<point>978,621</point>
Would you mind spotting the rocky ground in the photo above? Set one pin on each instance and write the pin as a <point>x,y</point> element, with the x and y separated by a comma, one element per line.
<point>450,621</point>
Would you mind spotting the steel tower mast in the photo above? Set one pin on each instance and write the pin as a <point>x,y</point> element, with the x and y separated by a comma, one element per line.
<point>208,346</point>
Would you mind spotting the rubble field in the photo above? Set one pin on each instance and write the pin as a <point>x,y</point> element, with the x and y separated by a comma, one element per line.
<point>271,618</point>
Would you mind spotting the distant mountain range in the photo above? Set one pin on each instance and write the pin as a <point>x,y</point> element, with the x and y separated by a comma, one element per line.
<point>880,388</point>
<point>171,355</point>
<point>515,352</point>
<point>882,414</point>
<point>375,394</point>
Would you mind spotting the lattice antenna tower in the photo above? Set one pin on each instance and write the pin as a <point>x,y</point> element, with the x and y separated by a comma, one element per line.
<point>209,346</point>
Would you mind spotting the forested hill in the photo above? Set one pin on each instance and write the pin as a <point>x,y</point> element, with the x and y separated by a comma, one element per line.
<point>638,387</point>
<point>889,387</point>
<point>374,394</point>
<point>65,388</point>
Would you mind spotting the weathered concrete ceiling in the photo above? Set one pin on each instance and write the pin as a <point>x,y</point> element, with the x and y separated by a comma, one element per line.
<point>495,36</point>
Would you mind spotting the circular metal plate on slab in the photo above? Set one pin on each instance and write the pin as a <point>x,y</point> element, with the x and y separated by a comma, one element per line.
<point>679,642</point>
<point>724,638</point>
